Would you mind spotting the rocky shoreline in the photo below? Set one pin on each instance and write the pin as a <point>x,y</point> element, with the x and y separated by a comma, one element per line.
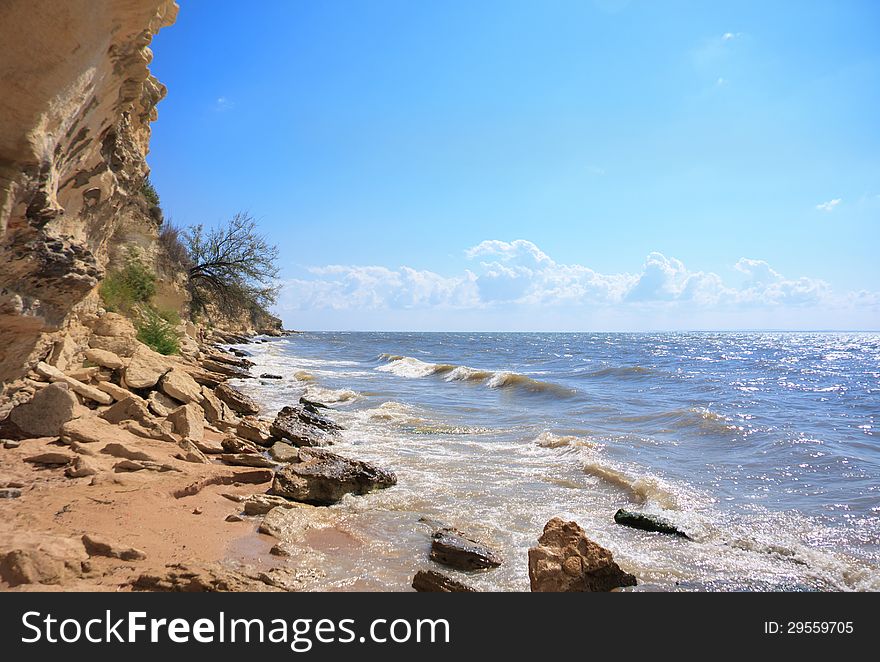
<point>131,470</point>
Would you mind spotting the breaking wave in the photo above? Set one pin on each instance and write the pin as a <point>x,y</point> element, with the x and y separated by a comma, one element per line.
<point>412,368</point>
<point>641,489</point>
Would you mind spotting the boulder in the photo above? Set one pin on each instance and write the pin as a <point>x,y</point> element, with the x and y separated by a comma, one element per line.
<point>40,558</point>
<point>236,400</point>
<point>84,375</point>
<point>116,392</point>
<point>255,430</point>
<point>180,386</point>
<point>97,546</point>
<point>269,375</point>
<point>234,444</point>
<point>247,460</point>
<point>224,369</point>
<point>188,421</point>
<point>305,402</point>
<point>450,547</point>
<point>160,404</point>
<point>431,581</point>
<point>284,452</point>
<point>216,411</point>
<point>145,368</point>
<point>47,412</point>
<point>126,452</point>
<point>86,391</point>
<point>565,560</point>
<point>260,504</point>
<point>159,430</point>
<point>132,408</point>
<point>10,492</point>
<point>82,467</point>
<point>191,453</point>
<point>323,478</point>
<point>114,333</point>
<point>51,458</point>
<point>648,522</point>
<point>208,445</point>
<point>104,358</point>
<point>89,430</point>
<point>296,425</point>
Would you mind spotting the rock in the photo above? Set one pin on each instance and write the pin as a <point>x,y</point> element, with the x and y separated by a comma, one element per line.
<point>450,547</point>
<point>10,492</point>
<point>305,402</point>
<point>209,446</point>
<point>86,391</point>
<point>116,392</point>
<point>159,430</point>
<point>83,375</point>
<point>431,581</point>
<point>123,451</point>
<point>291,524</point>
<point>52,457</point>
<point>260,504</point>
<point>191,453</point>
<point>189,421</point>
<point>145,368</point>
<point>251,477</point>
<point>233,444</point>
<point>284,452</point>
<point>323,478</point>
<point>104,358</point>
<point>82,467</point>
<point>132,408</point>
<point>197,511</point>
<point>47,412</point>
<point>269,375</point>
<point>11,443</point>
<point>255,430</point>
<point>247,460</point>
<point>279,550</point>
<point>565,560</point>
<point>210,579</point>
<point>180,386</point>
<point>648,522</point>
<point>234,518</point>
<point>224,369</point>
<point>141,465</point>
<point>160,404</point>
<point>216,411</point>
<point>88,430</point>
<point>236,400</point>
<point>39,558</point>
<point>309,416</point>
<point>294,424</point>
<point>96,546</point>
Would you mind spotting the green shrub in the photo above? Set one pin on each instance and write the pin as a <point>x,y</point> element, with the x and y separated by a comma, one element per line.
<point>157,333</point>
<point>125,288</point>
<point>171,316</point>
<point>149,192</point>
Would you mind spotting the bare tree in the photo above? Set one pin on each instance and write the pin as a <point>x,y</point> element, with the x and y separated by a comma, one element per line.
<point>232,265</point>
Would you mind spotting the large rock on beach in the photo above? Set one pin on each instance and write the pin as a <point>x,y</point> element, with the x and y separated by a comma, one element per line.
<point>188,421</point>
<point>323,478</point>
<point>451,547</point>
<point>145,368</point>
<point>302,427</point>
<point>648,522</point>
<point>566,560</point>
<point>47,412</point>
<point>431,581</point>
<point>236,400</point>
<point>179,385</point>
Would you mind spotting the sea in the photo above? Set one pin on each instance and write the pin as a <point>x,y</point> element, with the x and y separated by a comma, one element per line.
<point>763,447</point>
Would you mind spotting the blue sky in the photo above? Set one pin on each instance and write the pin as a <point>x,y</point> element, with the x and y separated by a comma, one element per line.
<point>506,165</point>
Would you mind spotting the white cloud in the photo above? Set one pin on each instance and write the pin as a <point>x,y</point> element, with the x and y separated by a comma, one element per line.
<point>730,36</point>
<point>223,104</point>
<point>830,205</point>
<point>519,275</point>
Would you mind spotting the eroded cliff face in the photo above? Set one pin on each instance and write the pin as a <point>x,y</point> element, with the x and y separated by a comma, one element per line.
<point>76,102</point>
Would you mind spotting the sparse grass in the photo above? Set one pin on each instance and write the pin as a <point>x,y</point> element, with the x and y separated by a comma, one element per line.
<point>149,192</point>
<point>127,287</point>
<point>155,332</point>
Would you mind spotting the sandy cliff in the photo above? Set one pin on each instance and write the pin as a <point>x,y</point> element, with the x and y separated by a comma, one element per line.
<point>75,111</point>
